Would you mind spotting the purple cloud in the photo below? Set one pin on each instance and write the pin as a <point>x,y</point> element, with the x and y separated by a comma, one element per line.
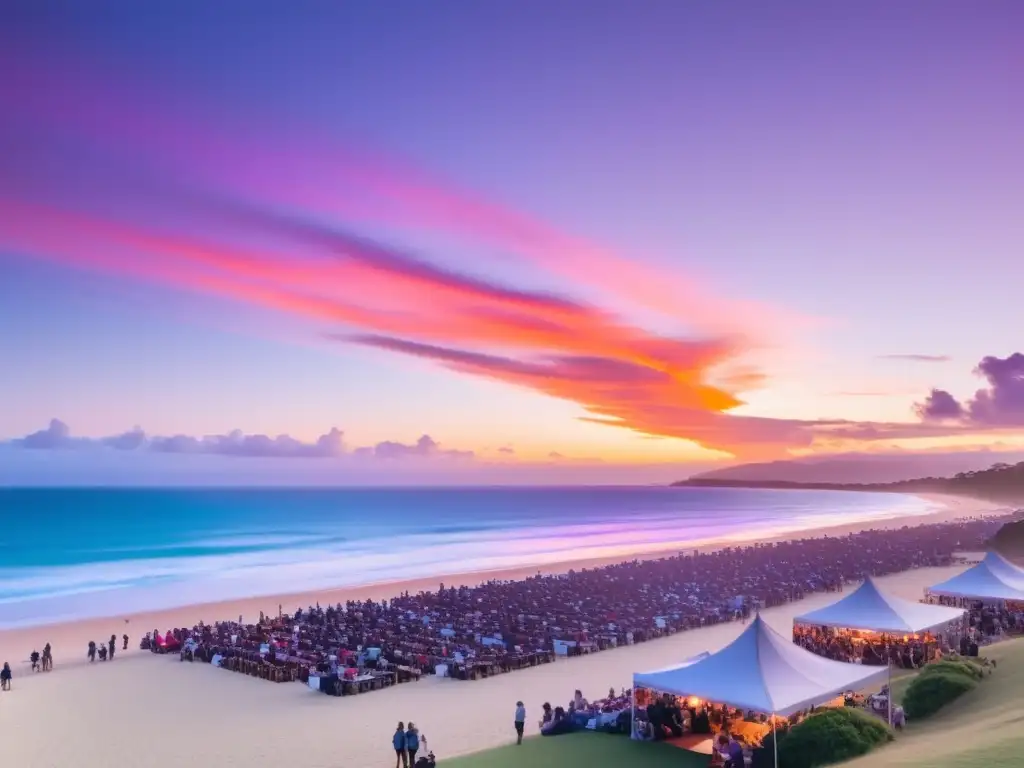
<point>1000,404</point>
<point>57,436</point>
<point>237,443</point>
<point>425,447</point>
<point>939,406</point>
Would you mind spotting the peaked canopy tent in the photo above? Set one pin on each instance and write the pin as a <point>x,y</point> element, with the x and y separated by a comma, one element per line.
<point>994,578</point>
<point>689,662</point>
<point>762,671</point>
<point>868,608</point>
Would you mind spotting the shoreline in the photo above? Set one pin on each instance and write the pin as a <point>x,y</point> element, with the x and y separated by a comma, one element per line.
<point>69,638</point>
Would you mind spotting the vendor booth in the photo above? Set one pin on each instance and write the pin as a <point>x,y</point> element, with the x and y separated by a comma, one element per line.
<point>867,618</point>
<point>761,672</point>
<point>993,579</point>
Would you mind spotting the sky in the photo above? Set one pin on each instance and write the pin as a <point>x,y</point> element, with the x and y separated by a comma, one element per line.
<point>526,242</point>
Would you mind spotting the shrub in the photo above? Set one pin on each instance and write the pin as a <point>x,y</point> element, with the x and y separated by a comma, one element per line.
<point>933,689</point>
<point>832,736</point>
<point>955,666</point>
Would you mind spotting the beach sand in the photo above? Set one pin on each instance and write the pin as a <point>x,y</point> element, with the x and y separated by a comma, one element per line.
<point>146,710</point>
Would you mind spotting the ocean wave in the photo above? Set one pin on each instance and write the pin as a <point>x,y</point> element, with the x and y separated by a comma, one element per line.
<point>229,562</point>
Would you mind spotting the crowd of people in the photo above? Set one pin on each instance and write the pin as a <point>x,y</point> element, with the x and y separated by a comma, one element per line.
<point>989,621</point>
<point>906,652</point>
<point>104,650</point>
<point>333,644</point>
<point>505,625</point>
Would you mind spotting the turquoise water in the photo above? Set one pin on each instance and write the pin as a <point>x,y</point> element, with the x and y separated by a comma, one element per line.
<point>76,553</point>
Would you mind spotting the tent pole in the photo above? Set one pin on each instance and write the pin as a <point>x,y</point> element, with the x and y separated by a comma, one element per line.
<point>775,741</point>
<point>632,711</point>
<point>888,699</point>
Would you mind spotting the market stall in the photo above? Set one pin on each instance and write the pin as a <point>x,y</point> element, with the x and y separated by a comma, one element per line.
<point>868,618</point>
<point>763,672</point>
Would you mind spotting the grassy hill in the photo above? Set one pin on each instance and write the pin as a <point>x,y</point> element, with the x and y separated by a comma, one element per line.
<point>1009,541</point>
<point>984,728</point>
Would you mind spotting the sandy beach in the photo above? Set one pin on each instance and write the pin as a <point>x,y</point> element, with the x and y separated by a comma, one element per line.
<point>145,710</point>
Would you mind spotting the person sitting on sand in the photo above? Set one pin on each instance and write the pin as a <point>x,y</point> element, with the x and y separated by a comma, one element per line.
<point>47,658</point>
<point>92,651</point>
<point>103,652</point>
<point>547,716</point>
<point>5,677</point>
<point>34,658</point>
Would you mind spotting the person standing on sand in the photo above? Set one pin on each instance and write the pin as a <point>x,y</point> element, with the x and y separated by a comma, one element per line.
<point>398,742</point>
<point>47,658</point>
<point>92,651</point>
<point>412,743</point>
<point>5,677</point>
<point>520,721</point>
<point>125,638</point>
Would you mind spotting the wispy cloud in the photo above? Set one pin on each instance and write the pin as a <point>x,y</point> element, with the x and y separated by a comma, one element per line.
<point>917,358</point>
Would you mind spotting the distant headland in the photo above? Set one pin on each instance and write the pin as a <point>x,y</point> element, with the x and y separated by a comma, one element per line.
<point>1001,482</point>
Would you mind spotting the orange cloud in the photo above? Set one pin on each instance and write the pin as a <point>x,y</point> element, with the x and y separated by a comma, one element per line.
<point>373,295</point>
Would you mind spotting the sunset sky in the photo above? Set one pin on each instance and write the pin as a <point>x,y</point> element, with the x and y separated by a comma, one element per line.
<point>547,238</point>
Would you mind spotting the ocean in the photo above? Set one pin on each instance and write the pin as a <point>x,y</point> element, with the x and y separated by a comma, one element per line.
<point>74,553</point>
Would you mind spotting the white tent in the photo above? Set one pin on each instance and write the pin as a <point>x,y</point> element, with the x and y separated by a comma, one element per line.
<point>994,578</point>
<point>762,671</point>
<point>867,607</point>
<point>690,661</point>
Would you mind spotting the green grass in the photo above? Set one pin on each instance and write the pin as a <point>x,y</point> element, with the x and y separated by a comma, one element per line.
<point>982,729</point>
<point>581,750</point>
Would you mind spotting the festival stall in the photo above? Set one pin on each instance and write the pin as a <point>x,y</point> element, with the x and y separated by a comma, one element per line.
<point>868,615</point>
<point>763,672</point>
<point>994,579</point>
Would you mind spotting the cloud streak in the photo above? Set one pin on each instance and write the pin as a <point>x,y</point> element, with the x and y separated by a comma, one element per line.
<point>918,358</point>
<point>182,201</point>
<point>57,437</point>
